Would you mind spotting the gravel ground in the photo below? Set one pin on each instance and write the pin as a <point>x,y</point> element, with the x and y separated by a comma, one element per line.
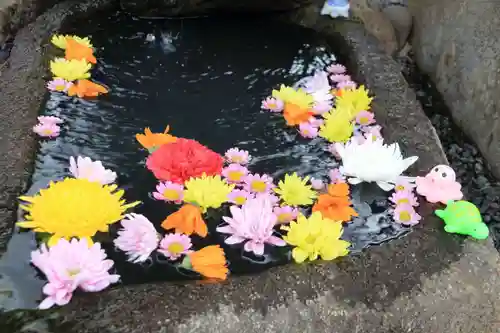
<point>478,184</point>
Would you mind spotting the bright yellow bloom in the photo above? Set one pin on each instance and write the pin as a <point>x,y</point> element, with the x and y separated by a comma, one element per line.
<point>74,208</point>
<point>294,190</point>
<point>315,237</point>
<point>60,41</point>
<point>353,101</point>
<point>206,192</point>
<point>70,70</point>
<point>298,97</point>
<point>338,126</point>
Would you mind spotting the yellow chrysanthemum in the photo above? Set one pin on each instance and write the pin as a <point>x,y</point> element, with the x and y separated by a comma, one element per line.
<point>74,208</point>
<point>338,126</point>
<point>353,101</point>
<point>315,237</point>
<point>60,41</point>
<point>70,70</point>
<point>294,190</point>
<point>298,97</point>
<point>207,192</point>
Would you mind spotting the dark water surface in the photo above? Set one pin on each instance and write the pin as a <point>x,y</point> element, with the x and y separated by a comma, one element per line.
<point>206,79</point>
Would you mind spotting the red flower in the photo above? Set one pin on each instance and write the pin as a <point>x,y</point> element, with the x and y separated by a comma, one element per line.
<point>180,160</point>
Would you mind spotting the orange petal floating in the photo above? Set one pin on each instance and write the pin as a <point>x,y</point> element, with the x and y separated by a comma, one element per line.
<point>86,88</point>
<point>338,190</point>
<point>150,140</point>
<point>77,51</point>
<point>294,115</point>
<point>335,205</point>
<point>210,262</point>
<point>187,220</point>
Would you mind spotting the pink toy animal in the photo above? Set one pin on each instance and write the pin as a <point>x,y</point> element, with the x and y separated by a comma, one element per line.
<point>439,185</point>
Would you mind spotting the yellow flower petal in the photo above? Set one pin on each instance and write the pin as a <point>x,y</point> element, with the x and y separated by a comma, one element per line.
<point>299,255</point>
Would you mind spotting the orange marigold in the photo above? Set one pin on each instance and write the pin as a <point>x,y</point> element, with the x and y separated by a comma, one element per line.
<point>86,88</point>
<point>187,220</point>
<point>335,205</point>
<point>294,115</point>
<point>152,141</point>
<point>210,262</point>
<point>78,51</point>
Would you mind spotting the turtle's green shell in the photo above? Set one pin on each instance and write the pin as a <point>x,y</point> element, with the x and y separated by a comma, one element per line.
<point>462,211</point>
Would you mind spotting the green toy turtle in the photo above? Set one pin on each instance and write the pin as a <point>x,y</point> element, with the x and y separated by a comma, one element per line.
<point>463,217</point>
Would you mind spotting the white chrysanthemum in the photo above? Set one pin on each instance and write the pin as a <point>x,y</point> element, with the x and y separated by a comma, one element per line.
<point>373,161</point>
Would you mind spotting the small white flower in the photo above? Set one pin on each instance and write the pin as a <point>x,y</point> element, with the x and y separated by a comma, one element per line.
<point>94,171</point>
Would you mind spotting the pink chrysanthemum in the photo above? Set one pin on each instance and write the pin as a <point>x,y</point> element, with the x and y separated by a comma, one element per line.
<point>307,130</point>
<point>404,197</point>
<point>340,78</point>
<point>50,120</point>
<point>346,85</point>
<point>59,84</point>
<point>169,192</point>
<point>406,215</point>
<point>365,118</point>
<point>317,184</point>
<point>336,69</point>
<point>316,122</point>
<point>285,214</point>
<point>234,173</point>
<point>47,130</point>
<point>239,156</point>
<point>173,246</point>
<point>239,197</point>
<point>336,176</point>
<point>403,185</point>
<point>69,265</point>
<point>138,238</point>
<point>273,199</point>
<point>258,184</point>
<point>273,104</point>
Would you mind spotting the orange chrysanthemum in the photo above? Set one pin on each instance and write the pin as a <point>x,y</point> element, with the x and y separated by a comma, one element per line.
<point>86,88</point>
<point>335,205</point>
<point>187,220</point>
<point>78,51</point>
<point>294,115</point>
<point>150,140</point>
<point>210,262</point>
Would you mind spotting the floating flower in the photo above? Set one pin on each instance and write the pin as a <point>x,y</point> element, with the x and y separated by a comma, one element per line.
<point>184,159</point>
<point>373,161</point>
<point>340,78</point>
<point>152,141</point>
<point>319,87</point>
<point>138,238</point>
<point>337,127</point>
<point>365,118</point>
<point>49,120</point>
<point>404,197</point>
<point>316,122</point>
<point>317,184</point>
<point>209,262</point>
<point>61,41</point>
<point>274,199</point>
<point>335,205</point>
<point>78,51</point>
<point>253,224</point>
<point>169,192</point>
<point>239,156</point>
<point>297,104</point>
<point>344,85</point>
<point>86,88</point>
<point>331,148</point>
<point>336,69</point>
<point>373,130</point>
<point>406,215</point>
<point>59,84</point>
<point>173,246</point>
<point>234,173</point>
<point>69,265</point>
<point>258,184</point>
<point>273,104</point>
<point>336,176</point>
<point>285,214</point>
<point>74,208</point>
<point>315,237</point>
<point>70,70</point>
<point>47,130</point>
<point>207,191</point>
<point>307,130</point>
<point>353,101</point>
<point>294,190</point>
<point>187,220</point>
<point>320,108</point>
<point>403,184</point>
<point>93,171</point>
<point>239,197</point>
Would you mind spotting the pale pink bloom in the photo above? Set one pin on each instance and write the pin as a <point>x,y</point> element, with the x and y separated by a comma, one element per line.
<point>317,184</point>
<point>47,130</point>
<point>235,155</point>
<point>50,120</point>
<point>340,78</point>
<point>285,214</point>
<point>94,171</point>
<point>403,185</point>
<point>258,184</point>
<point>406,215</point>
<point>336,69</point>
<point>331,148</point>
<point>365,118</point>
<point>274,199</point>
<point>316,122</point>
<point>239,197</point>
<point>173,246</point>
<point>336,176</point>
<point>404,197</point>
<point>376,130</point>
<point>318,83</point>
<point>253,224</point>
<point>307,130</point>
<point>59,84</point>
<point>346,85</point>
<point>138,238</point>
<point>273,104</point>
<point>320,108</point>
<point>169,192</point>
<point>234,173</point>
<point>68,265</point>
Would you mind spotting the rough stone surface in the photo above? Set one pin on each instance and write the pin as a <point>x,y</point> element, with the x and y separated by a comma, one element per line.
<point>426,282</point>
<point>457,43</point>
